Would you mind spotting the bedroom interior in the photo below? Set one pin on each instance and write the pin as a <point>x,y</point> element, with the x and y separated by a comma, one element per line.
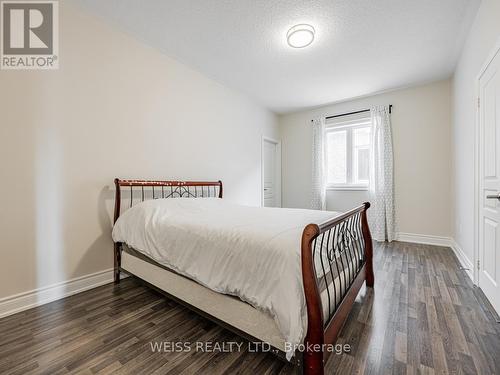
<point>268,187</point>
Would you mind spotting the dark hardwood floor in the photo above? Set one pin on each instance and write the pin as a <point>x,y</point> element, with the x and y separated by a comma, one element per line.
<point>423,316</point>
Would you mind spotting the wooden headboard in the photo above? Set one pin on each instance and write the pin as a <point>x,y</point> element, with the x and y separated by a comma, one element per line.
<point>133,191</point>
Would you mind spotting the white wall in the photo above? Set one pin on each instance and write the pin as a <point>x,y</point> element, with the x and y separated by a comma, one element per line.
<point>421,136</point>
<point>482,38</point>
<point>115,108</point>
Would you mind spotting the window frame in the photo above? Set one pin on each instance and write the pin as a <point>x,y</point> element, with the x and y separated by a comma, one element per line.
<point>348,126</point>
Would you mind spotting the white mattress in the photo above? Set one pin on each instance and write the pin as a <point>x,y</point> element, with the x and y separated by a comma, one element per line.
<point>249,252</point>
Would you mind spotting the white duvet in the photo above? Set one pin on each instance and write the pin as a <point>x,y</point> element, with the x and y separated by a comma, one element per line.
<point>249,252</point>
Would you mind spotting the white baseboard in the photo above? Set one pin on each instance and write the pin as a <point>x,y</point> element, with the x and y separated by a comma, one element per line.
<point>424,239</point>
<point>27,300</point>
<point>465,262</point>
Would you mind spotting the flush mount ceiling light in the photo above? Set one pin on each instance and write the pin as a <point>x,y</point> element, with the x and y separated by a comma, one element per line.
<point>300,36</point>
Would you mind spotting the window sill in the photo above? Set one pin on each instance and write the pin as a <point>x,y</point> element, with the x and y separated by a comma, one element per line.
<point>347,188</point>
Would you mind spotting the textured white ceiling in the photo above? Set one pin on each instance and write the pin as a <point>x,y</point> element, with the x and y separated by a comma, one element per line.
<point>361,46</point>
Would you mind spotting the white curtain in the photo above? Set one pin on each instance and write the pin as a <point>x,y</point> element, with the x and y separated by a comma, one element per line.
<point>381,214</point>
<point>318,199</point>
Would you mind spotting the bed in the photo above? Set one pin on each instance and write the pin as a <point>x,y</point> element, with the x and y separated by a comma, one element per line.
<point>284,277</point>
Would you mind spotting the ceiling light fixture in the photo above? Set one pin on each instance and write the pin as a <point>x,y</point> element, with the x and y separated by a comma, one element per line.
<point>300,36</point>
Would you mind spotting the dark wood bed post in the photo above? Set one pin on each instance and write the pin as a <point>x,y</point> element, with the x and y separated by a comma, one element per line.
<point>220,189</point>
<point>117,254</point>
<point>313,360</point>
<point>370,278</point>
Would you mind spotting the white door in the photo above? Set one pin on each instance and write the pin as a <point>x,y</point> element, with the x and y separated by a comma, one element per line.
<point>489,183</point>
<point>271,173</point>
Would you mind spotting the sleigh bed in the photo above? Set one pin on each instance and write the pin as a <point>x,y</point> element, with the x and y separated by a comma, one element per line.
<point>327,262</point>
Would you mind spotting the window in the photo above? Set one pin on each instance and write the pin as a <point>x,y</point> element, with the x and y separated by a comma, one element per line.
<point>348,152</point>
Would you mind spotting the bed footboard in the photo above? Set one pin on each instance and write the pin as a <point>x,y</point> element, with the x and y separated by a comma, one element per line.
<point>336,260</point>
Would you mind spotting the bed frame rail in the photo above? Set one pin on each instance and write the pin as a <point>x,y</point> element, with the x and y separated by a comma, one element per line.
<point>336,260</point>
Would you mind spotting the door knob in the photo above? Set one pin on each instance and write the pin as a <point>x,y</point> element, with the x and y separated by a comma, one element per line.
<point>493,196</point>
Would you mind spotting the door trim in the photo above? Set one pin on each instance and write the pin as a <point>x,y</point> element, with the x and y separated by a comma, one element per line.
<point>477,190</point>
<point>278,169</point>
